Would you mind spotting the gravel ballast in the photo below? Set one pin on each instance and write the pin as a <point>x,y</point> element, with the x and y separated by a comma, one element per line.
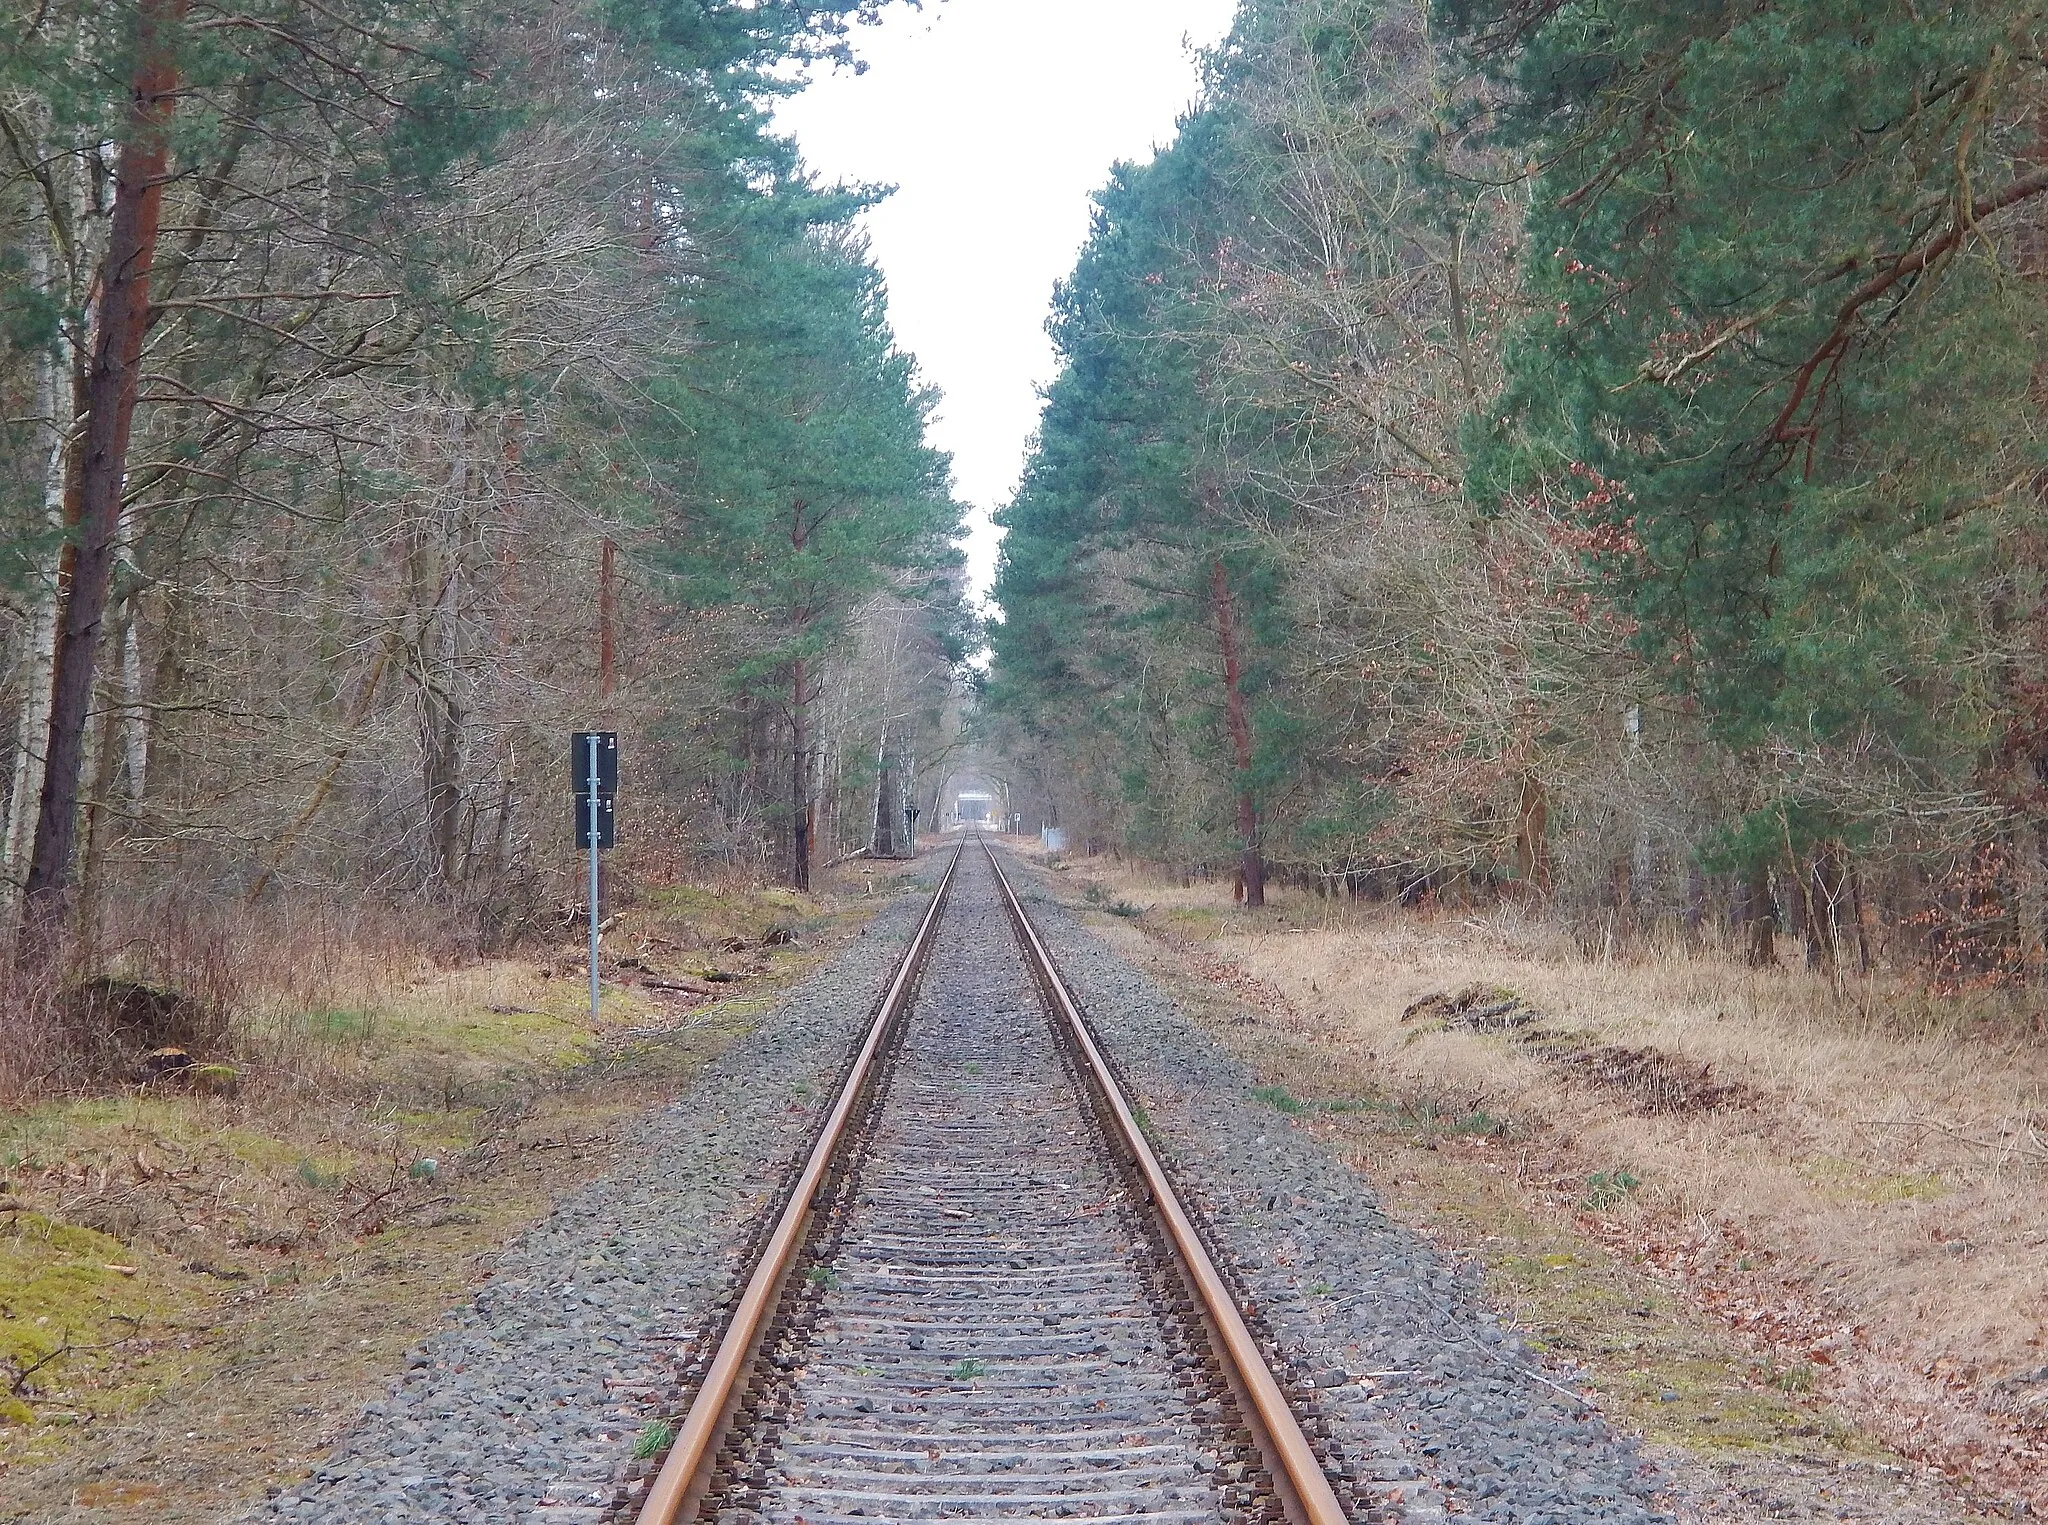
<point>525,1408</point>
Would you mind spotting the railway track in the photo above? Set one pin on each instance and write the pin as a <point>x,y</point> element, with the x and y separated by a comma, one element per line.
<point>981,1298</point>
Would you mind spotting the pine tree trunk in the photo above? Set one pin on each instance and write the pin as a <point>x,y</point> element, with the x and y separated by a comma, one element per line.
<point>799,778</point>
<point>1763,918</point>
<point>111,389</point>
<point>1251,863</point>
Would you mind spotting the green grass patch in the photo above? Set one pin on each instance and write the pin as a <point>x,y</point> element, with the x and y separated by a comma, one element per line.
<point>1280,1099</point>
<point>1421,1115</point>
<point>338,1024</point>
<point>653,1440</point>
<point>1609,1188</point>
<point>320,1177</point>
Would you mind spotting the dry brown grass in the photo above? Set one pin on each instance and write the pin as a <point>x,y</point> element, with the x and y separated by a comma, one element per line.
<point>1866,1204</point>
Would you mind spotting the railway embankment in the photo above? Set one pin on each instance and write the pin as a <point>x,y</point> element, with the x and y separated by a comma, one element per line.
<point>1459,1340</point>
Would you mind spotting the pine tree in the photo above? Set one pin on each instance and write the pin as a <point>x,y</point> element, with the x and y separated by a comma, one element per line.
<point>804,482</point>
<point>1782,372</point>
<point>1136,602</point>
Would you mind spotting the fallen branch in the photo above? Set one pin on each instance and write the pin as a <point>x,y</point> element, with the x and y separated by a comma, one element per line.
<point>2033,1156</point>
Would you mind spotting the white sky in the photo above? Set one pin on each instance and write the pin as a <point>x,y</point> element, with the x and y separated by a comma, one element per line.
<point>995,119</point>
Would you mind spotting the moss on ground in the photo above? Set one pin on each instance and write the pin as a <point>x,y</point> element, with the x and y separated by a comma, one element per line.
<point>1655,1366</point>
<point>73,1303</point>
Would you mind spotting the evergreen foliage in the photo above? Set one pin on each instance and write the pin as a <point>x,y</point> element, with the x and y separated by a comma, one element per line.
<point>1141,603</point>
<point>1622,422</point>
<point>802,482</point>
<point>1781,267</point>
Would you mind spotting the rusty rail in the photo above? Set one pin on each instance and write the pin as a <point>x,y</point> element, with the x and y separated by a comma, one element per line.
<point>1304,1490</point>
<point>677,1490</point>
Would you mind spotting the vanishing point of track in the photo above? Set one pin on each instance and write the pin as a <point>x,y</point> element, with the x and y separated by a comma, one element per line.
<point>981,1298</point>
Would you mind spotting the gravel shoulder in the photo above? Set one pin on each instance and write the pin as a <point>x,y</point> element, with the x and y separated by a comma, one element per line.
<point>1396,1326</point>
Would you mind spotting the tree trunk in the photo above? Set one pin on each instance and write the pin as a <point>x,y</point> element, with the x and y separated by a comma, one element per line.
<point>799,778</point>
<point>1763,918</point>
<point>1825,892</point>
<point>906,796</point>
<point>32,733</point>
<point>888,811</point>
<point>1695,902</point>
<point>110,402</point>
<point>134,712</point>
<point>1862,925</point>
<point>101,756</point>
<point>55,399</point>
<point>607,618</point>
<point>1251,863</point>
<point>438,590</point>
<point>1532,825</point>
<point>440,739</point>
<point>802,809</point>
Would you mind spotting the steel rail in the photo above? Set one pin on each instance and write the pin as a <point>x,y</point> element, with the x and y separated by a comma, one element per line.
<point>679,1487</point>
<point>1304,1489</point>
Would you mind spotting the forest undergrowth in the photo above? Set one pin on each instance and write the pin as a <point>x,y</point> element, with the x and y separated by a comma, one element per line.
<point>1767,1212</point>
<point>371,1110</point>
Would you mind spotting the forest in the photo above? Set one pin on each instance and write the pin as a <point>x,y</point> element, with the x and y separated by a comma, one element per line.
<point>1583,454</point>
<point>394,386</point>
<point>1579,451</point>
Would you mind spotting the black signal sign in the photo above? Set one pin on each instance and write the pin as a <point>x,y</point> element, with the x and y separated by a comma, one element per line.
<point>607,821</point>
<point>607,761</point>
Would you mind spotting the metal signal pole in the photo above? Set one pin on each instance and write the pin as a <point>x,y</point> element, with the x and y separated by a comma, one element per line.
<point>591,744</point>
